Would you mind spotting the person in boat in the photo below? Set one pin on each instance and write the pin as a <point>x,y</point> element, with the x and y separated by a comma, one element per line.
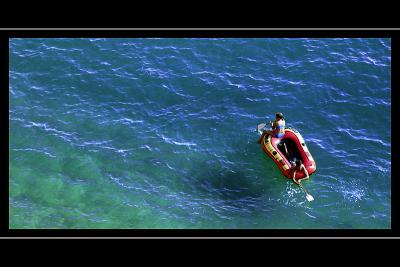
<point>277,127</point>
<point>299,166</point>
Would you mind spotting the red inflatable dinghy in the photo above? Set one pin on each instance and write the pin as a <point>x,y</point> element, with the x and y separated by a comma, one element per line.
<point>294,142</point>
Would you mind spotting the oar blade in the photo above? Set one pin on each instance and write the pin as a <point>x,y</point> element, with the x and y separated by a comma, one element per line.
<point>309,197</point>
<point>260,127</point>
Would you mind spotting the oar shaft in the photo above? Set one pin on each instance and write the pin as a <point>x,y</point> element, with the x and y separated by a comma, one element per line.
<point>302,187</point>
<point>307,194</point>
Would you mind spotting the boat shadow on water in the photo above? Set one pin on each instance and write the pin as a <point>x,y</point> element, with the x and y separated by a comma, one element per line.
<point>226,185</point>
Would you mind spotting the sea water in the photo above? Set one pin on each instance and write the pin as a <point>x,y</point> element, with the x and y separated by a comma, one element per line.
<point>161,133</point>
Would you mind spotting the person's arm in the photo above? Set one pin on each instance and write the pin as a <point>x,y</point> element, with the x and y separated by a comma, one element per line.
<point>271,124</point>
<point>294,176</point>
<point>305,170</point>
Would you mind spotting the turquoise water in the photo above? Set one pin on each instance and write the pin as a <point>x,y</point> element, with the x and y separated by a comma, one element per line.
<point>160,133</point>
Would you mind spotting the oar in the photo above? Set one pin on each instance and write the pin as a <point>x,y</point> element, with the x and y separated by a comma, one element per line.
<point>308,196</point>
<point>260,127</point>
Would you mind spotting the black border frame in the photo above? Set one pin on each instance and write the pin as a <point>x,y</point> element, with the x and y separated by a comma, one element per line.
<point>5,35</point>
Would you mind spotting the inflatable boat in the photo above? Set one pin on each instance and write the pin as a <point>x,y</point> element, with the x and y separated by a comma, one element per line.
<point>286,149</point>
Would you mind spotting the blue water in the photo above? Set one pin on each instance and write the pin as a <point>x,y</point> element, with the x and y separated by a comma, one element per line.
<point>160,133</point>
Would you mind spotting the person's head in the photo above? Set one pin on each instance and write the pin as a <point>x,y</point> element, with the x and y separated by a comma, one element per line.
<point>298,163</point>
<point>279,116</point>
